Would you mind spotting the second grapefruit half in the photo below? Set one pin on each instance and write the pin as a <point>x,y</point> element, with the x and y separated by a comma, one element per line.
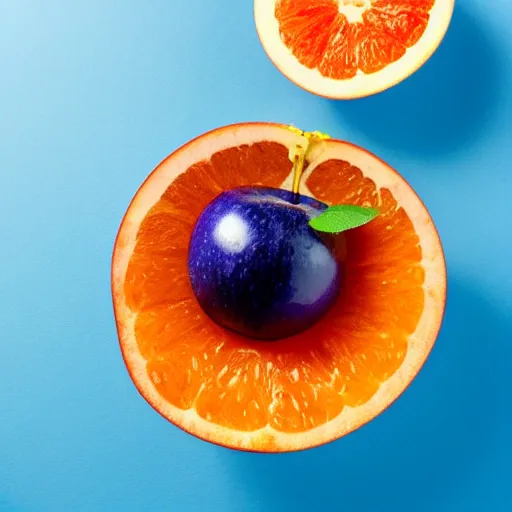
<point>346,49</point>
<point>307,389</point>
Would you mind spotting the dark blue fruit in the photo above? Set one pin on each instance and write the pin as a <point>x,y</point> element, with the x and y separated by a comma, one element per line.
<point>257,268</point>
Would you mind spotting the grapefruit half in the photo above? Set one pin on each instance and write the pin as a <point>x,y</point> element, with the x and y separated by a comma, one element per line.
<point>344,49</point>
<point>308,389</point>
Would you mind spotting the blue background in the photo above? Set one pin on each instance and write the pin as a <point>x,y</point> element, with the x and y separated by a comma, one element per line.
<point>93,94</point>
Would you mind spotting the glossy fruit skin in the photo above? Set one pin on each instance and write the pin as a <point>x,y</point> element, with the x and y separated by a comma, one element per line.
<point>257,268</point>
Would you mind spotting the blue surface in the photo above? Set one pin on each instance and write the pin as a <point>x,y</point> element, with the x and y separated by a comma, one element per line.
<point>92,95</point>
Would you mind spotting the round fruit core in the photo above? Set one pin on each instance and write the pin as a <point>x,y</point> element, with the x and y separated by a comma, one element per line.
<point>257,267</point>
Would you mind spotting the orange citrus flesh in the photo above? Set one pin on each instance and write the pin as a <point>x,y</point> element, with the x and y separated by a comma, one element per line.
<point>295,384</point>
<point>321,37</point>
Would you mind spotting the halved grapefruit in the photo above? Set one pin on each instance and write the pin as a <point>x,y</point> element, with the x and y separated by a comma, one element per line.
<point>308,389</point>
<point>346,49</point>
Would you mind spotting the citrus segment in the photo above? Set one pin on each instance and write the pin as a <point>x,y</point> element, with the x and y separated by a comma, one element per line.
<point>340,48</point>
<point>329,379</point>
<point>237,395</point>
<point>403,21</point>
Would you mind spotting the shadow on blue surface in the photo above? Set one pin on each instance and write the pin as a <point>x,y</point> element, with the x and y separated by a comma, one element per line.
<point>444,107</point>
<point>449,433</point>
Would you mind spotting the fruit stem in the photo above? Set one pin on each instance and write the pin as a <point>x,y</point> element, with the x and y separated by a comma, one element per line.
<point>298,167</point>
<point>298,155</point>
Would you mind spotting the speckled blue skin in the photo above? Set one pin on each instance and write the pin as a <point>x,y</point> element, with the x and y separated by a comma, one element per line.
<point>256,266</point>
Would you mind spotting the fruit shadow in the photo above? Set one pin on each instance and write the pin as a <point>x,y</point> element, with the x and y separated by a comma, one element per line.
<point>446,106</point>
<point>429,447</point>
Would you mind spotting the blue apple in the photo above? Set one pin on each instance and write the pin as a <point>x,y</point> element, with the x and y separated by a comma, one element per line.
<point>258,268</point>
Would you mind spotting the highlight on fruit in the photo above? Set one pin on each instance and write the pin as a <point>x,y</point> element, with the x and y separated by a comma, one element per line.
<point>275,289</point>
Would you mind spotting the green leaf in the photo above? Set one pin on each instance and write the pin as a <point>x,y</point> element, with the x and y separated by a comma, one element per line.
<point>341,217</point>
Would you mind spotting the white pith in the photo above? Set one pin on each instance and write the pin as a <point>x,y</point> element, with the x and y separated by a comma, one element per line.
<point>362,84</point>
<point>420,343</point>
<point>353,9</point>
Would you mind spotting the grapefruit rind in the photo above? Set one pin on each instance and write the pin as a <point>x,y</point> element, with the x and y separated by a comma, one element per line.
<point>420,342</point>
<point>362,84</point>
